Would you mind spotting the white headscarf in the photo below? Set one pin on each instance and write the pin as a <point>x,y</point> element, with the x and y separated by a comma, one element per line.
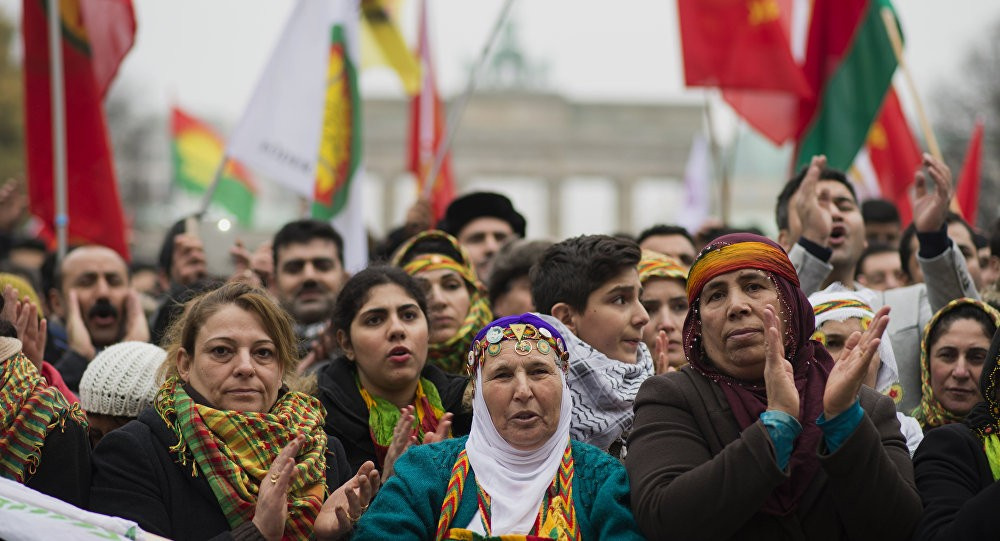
<point>515,480</point>
<point>888,372</point>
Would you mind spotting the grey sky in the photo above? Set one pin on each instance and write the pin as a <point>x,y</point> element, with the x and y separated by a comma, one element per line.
<point>206,55</point>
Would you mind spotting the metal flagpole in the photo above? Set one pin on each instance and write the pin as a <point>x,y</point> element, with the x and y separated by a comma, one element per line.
<point>57,93</point>
<point>455,117</point>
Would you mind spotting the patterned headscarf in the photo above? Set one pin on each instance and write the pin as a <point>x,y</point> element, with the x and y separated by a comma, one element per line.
<point>656,265</point>
<point>984,419</point>
<point>930,413</point>
<point>810,361</point>
<point>516,481</point>
<point>840,305</point>
<point>234,451</point>
<point>29,410</point>
<point>449,355</point>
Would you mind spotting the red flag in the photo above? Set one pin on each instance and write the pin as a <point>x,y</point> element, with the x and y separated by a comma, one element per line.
<point>894,154</point>
<point>739,44</point>
<point>968,180</point>
<point>427,128</point>
<point>96,34</point>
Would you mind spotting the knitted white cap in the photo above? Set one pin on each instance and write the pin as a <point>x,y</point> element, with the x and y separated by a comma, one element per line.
<point>120,380</point>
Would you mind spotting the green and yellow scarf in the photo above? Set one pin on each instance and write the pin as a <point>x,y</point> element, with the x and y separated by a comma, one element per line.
<point>383,416</point>
<point>234,451</point>
<point>29,410</point>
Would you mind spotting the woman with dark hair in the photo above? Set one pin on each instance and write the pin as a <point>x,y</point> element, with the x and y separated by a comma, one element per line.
<point>763,435</point>
<point>952,354</point>
<point>381,394</point>
<point>227,450</point>
<point>456,299</point>
<point>957,467</point>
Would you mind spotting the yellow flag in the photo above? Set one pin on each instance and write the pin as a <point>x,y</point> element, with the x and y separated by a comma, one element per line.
<point>383,45</point>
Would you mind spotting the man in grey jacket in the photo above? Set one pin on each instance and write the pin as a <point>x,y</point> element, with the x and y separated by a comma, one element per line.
<point>821,227</point>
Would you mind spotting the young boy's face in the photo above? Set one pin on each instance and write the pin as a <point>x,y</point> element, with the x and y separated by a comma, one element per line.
<point>613,319</point>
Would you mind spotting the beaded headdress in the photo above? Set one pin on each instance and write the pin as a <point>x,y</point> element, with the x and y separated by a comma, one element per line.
<point>527,331</point>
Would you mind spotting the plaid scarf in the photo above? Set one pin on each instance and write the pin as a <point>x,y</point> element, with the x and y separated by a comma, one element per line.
<point>451,355</point>
<point>383,416</point>
<point>234,450</point>
<point>29,410</point>
<point>930,413</point>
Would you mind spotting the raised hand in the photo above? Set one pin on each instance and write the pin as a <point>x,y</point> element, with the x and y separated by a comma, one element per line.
<point>31,330</point>
<point>851,368</point>
<point>930,209</point>
<point>346,504</point>
<point>272,497</point>
<point>661,364</point>
<point>136,326</point>
<point>319,349</point>
<point>76,331</point>
<point>442,430</point>
<point>402,439</point>
<point>813,206</point>
<point>779,377</point>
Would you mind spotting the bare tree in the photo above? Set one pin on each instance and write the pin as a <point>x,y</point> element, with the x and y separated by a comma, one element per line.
<point>957,103</point>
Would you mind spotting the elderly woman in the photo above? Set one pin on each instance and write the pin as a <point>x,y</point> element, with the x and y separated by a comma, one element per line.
<point>957,467</point>
<point>518,472</point>
<point>952,354</point>
<point>381,394</point>
<point>228,451</point>
<point>664,297</point>
<point>456,299</point>
<point>763,436</point>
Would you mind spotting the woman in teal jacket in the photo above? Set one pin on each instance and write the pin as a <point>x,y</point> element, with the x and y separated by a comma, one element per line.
<point>517,473</point>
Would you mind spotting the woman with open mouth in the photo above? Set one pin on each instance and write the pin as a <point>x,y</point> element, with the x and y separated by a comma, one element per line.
<point>952,354</point>
<point>381,395</point>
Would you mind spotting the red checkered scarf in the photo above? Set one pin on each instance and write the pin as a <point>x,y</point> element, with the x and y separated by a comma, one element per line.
<point>234,451</point>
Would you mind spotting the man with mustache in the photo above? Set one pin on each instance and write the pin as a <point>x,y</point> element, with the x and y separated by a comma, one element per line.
<point>93,298</point>
<point>308,275</point>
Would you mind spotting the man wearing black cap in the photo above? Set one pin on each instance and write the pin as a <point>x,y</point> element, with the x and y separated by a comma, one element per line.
<point>482,222</point>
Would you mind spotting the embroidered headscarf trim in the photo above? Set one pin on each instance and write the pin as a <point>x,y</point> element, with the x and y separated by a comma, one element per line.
<point>527,332</point>
<point>450,355</point>
<point>29,410</point>
<point>234,451</point>
<point>930,413</point>
<point>984,419</point>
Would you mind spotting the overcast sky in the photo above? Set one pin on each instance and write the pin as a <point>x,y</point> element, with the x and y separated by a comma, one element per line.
<point>207,54</point>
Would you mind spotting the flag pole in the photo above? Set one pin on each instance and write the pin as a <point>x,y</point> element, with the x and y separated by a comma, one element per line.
<point>713,146</point>
<point>455,117</point>
<point>57,93</point>
<point>206,200</point>
<point>897,48</point>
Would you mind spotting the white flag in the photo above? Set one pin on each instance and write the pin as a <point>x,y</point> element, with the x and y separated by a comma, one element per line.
<point>697,179</point>
<point>302,127</point>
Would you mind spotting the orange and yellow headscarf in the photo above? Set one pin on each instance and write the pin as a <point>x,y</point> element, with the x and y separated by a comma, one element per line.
<point>656,265</point>
<point>720,258</point>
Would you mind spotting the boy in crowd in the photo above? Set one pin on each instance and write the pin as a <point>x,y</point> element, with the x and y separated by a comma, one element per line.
<point>588,288</point>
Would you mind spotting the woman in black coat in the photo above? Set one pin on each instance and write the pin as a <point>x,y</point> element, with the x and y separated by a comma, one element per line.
<point>957,466</point>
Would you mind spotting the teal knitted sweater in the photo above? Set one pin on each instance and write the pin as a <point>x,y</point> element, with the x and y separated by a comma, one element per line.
<point>408,506</point>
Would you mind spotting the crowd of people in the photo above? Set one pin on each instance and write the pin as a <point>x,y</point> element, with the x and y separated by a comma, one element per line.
<point>837,382</point>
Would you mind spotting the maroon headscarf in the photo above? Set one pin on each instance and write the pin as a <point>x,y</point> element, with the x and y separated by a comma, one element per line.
<point>810,361</point>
